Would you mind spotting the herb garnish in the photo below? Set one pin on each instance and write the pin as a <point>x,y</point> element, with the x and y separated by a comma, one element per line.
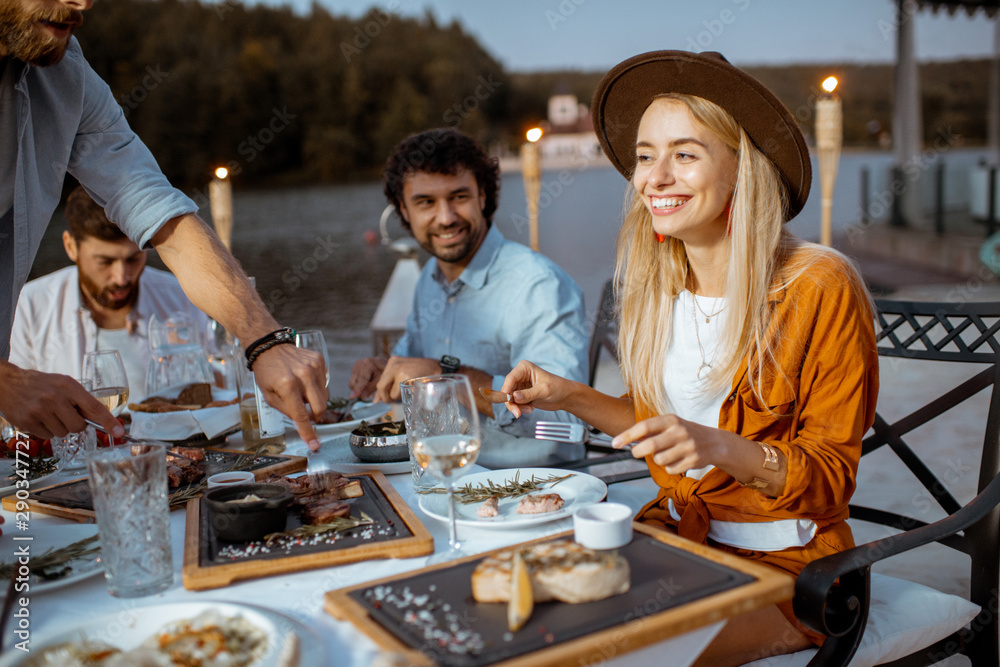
<point>338,524</point>
<point>54,563</point>
<point>511,489</point>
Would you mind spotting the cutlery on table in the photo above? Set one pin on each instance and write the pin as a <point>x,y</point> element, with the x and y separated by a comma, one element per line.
<point>569,432</point>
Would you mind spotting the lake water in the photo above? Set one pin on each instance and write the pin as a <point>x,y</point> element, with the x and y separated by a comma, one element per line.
<point>307,248</point>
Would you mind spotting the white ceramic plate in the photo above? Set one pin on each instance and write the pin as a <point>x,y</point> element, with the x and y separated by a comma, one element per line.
<point>8,480</point>
<point>45,538</point>
<point>580,489</point>
<point>336,451</point>
<point>144,622</point>
<point>363,412</point>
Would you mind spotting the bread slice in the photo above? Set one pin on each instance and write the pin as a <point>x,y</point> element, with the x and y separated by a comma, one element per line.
<point>561,570</point>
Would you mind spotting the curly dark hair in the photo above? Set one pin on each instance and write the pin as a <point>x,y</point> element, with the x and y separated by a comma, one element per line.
<point>441,151</point>
<point>87,219</point>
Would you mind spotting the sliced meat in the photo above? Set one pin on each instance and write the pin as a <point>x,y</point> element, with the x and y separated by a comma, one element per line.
<point>540,503</point>
<point>489,508</point>
<point>324,511</point>
<point>193,453</point>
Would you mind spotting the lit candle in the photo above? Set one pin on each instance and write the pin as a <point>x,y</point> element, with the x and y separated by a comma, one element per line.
<point>829,136</point>
<point>531,169</point>
<point>220,197</point>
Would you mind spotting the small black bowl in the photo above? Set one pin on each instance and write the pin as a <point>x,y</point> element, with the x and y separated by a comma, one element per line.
<point>249,521</point>
<point>378,448</point>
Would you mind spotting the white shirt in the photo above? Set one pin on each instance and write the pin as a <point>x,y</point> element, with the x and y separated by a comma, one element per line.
<point>53,330</point>
<point>686,393</point>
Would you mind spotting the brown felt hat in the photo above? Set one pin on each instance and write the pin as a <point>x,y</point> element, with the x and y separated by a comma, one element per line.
<point>626,91</point>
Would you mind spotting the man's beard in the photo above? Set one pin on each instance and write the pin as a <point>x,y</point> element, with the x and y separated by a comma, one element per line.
<point>102,297</point>
<point>456,253</point>
<point>25,42</point>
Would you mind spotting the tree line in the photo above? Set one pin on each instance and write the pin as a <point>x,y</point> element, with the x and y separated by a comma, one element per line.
<point>284,98</point>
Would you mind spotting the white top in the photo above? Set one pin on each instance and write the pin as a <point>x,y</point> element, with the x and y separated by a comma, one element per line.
<point>53,330</point>
<point>686,393</point>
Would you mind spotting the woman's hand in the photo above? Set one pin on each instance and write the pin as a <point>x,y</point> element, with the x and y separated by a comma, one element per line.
<point>675,444</point>
<point>531,388</point>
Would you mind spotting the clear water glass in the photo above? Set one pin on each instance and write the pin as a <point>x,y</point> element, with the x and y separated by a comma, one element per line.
<point>314,340</point>
<point>129,490</point>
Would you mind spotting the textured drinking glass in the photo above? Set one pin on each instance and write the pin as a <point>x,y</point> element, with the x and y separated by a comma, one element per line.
<point>314,340</point>
<point>129,489</point>
<point>72,449</point>
<point>442,426</point>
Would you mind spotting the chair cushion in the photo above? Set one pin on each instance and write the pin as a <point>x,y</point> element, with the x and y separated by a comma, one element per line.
<point>902,618</point>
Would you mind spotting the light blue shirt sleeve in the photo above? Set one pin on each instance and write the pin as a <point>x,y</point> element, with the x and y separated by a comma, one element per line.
<point>117,169</point>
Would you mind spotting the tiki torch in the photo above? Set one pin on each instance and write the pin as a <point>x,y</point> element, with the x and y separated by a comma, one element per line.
<point>220,197</point>
<point>531,169</point>
<point>829,136</point>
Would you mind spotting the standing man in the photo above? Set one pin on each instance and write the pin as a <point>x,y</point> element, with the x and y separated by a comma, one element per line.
<point>96,304</point>
<point>483,303</point>
<point>56,115</point>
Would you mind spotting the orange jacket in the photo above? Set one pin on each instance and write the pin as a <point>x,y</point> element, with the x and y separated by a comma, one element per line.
<point>817,417</point>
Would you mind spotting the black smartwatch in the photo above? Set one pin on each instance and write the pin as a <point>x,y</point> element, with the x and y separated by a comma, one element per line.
<point>449,364</point>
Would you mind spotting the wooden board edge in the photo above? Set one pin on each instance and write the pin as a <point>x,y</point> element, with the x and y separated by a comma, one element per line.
<point>72,513</point>
<point>195,577</point>
<point>343,608</point>
<point>404,511</point>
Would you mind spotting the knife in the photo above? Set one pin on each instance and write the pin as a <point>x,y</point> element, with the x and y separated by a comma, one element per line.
<point>494,396</point>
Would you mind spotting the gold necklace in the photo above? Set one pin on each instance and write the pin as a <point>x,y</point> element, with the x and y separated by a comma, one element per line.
<point>704,363</point>
<point>707,316</point>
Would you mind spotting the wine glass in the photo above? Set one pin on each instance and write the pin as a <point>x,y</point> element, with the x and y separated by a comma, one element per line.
<point>443,427</point>
<point>313,340</point>
<point>106,373</point>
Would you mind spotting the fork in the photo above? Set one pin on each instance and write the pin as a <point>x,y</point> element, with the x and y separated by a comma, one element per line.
<point>569,432</point>
<point>129,438</point>
<point>562,431</point>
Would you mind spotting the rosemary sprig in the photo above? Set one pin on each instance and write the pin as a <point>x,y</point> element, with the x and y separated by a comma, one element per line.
<point>35,467</point>
<point>509,489</point>
<point>54,563</point>
<point>339,524</point>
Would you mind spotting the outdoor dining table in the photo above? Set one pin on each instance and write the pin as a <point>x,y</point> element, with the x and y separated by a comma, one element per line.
<point>301,595</point>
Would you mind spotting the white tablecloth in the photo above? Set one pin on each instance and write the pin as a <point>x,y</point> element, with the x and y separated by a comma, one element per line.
<point>301,595</point>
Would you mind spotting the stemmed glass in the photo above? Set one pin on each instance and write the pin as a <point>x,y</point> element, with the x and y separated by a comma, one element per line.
<point>313,340</point>
<point>443,428</point>
<point>106,373</point>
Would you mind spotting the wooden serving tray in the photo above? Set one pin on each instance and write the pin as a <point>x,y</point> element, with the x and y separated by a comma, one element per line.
<point>396,533</point>
<point>677,586</point>
<point>71,499</point>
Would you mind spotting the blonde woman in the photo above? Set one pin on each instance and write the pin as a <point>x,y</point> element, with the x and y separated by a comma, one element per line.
<point>748,354</point>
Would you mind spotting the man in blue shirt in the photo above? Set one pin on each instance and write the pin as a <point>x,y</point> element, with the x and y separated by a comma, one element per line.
<point>57,116</point>
<point>483,303</point>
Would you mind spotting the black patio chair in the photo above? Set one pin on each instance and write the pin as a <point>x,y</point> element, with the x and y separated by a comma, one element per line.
<point>833,594</point>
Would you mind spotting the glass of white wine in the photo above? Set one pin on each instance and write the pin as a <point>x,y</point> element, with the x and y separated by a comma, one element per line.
<point>443,427</point>
<point>109,384</point>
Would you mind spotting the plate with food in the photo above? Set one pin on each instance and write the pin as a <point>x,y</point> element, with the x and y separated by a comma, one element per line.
<point>194,413</point>
<point>60,556</point>
<point>336,420</point>
<point>38,472</point>
<point>515,497</point>
<point>179,634</point>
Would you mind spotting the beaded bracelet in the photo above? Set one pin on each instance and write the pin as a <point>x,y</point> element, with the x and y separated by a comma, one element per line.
<point>265,343</point>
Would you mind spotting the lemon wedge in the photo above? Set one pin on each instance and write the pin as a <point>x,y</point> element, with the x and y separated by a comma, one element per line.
<point>522,601</point>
